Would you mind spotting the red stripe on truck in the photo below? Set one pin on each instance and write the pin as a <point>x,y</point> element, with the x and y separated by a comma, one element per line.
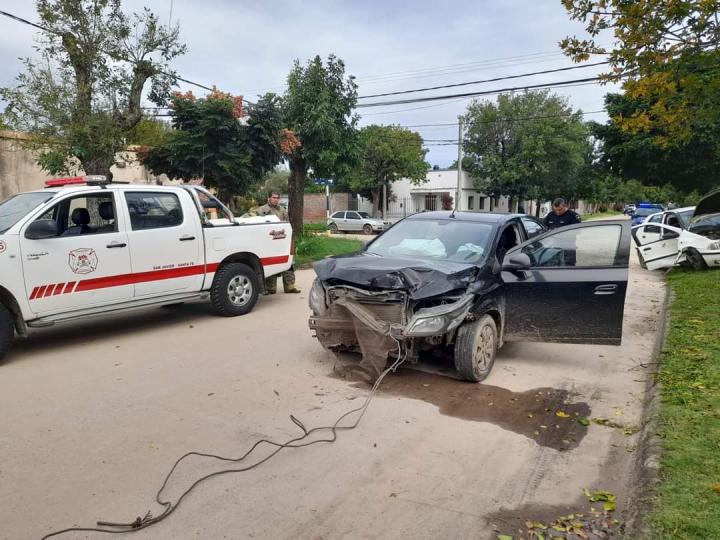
<point>92,284</point>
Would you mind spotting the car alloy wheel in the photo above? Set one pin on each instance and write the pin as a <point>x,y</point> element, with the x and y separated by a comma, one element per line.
<point>240,290</point>
<point>485,348</point>
<point>475,348</point>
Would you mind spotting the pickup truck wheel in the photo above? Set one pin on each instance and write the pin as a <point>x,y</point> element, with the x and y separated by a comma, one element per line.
<point>475,348</point>
<point>695,259</point>
<point>7,330</point>
<point>234,290</point>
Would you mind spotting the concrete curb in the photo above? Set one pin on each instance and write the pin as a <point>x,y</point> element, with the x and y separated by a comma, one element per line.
<point>646,470</point>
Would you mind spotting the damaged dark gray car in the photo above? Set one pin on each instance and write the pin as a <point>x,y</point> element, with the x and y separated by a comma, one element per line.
<point>468,282</point>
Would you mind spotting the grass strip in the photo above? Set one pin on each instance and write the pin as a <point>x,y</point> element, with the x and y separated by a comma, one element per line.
<point>687,504</point>
<point>315,247</point>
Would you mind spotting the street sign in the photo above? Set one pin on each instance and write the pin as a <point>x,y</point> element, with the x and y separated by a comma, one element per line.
<point>322,181</point>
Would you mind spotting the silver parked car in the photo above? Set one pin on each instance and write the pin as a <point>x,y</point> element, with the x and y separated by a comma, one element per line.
<point>352,221</point>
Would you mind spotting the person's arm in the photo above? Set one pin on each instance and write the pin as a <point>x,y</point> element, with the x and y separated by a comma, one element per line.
<point>577,218</point>
<point>546,221</point>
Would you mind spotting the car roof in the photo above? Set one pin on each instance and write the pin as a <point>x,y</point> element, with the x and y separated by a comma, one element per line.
<point>480,217</point>
<point>81,188</point>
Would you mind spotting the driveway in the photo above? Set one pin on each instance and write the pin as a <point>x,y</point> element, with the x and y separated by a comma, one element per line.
<point>94,415</point>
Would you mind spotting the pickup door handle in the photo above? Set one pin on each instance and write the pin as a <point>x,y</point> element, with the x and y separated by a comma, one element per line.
<point>187,238</point>
<point>116,245</point>
<point>608,289</point>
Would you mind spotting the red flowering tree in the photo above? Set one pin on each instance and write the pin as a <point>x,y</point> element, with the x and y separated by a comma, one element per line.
<point>210,142</point>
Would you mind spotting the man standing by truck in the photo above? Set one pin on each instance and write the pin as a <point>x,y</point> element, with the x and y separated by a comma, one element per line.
<point>273,207</point>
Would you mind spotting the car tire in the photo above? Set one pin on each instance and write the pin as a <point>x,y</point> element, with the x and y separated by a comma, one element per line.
<point>367,228</point>
<point>333,228</point>
<point>7,330</point>
<point>234,290</point>
<point>695,259</point>
<point>476,345</point>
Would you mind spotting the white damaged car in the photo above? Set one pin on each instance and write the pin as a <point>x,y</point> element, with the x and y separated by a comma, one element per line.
<point>699,244</point>
<point>693,239</point>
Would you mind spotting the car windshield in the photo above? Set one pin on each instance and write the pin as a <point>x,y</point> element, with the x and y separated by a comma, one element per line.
<point>685,215</point>
<point>705,224</point>
<point>446,240</point>
<point>643,212</point>
<point>364,215</point>
<point>17,207</point>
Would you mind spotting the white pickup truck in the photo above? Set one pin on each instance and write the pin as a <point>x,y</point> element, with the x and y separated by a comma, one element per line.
<point>84,247</point>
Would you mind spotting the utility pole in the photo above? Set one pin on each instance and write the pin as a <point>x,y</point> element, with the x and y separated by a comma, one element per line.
<point>458,205</point>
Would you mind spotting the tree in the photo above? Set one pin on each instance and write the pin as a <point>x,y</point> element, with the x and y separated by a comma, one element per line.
<point>388,153</point>
<point>209,142</point>
<point>317,107</point>
<point>525,146</point>
<point>688,166</point>
<point>81,99</point>
<point>149,132</point>
<point>666,54</point>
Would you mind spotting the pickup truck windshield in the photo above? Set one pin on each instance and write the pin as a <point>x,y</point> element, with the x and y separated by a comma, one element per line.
<point>17,207</point>
<point>459,241</point>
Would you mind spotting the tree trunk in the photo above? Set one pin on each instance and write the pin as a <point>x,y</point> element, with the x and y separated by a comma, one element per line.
<point>375,201</point>
<point>537,208</point>
<point>296,191</point>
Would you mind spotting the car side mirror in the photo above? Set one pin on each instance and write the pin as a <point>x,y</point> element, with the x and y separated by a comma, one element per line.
<point>42,228</point>
<point>517,261</point>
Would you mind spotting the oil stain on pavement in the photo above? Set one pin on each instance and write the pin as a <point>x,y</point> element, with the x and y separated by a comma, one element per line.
<point>546,415</point>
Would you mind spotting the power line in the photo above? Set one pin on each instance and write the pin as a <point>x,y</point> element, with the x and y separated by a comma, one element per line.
<point>495,79</point>
<point>476,94</point>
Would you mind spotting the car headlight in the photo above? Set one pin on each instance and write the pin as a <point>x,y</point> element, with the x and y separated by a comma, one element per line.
<point>714,246</point>
<point>439,319</point>
<point>316,298</point>
<point>427,326</point>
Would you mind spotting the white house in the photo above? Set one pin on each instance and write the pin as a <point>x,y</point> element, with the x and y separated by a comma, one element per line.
<point>408,198</point>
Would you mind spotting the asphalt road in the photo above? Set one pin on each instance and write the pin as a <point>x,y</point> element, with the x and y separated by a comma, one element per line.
<point>94,415</point>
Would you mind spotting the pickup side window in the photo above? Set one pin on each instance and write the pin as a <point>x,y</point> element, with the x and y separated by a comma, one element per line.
<point>153,210</point>
<point>84,214</point>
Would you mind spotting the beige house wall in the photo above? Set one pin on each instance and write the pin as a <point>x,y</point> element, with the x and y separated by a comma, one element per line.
<point>19,172</point>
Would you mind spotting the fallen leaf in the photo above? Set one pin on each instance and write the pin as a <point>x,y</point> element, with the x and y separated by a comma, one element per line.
<point>530,415</point>
<point>609,506</point>
<point>583,421</point>
<point>562,414</point>
<point>504,537</point>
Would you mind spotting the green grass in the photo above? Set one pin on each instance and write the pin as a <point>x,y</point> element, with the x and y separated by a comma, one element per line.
<point>314,227</point>
<point>315,247</point>
<point>688,498</point>
<point>598,215</point>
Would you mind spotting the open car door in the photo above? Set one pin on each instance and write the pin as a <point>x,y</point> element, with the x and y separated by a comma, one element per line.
<point>657,245</point>
<point>568,285</point>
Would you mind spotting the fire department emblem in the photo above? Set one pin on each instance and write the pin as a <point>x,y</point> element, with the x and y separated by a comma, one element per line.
<point>277,235</point>
<point>3,247</point>
<point>83,260</point>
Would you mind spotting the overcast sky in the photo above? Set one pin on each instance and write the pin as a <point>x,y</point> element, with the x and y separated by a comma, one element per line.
<point>247,48</point>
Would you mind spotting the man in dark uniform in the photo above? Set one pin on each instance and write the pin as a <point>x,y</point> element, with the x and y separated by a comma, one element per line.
<point>273,207</point>
<point>561,215</point>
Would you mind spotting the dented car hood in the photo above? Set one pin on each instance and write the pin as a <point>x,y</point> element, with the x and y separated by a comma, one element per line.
<point>419,278</point>
<point>710,204</point>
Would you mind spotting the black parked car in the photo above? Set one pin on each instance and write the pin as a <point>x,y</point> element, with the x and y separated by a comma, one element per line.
<point>467,283</point>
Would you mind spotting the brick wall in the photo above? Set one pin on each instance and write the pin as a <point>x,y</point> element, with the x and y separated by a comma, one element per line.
<point>314,205</point>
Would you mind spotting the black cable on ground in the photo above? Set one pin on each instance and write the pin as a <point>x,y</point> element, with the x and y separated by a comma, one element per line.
<point>298,442</point>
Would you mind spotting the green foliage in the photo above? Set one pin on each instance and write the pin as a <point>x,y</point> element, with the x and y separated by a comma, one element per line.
<point>686,166</point>
<point>538,158</point>
<point>210,143</point>
<point>388,153</point>
<point>149,132</point>
<point>687,499</point>
<point>81,98</point>
<point>665,52</point>
<point>317,107</point>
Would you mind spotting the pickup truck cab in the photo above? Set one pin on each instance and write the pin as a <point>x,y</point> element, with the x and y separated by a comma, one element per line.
<point>82,248</point>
